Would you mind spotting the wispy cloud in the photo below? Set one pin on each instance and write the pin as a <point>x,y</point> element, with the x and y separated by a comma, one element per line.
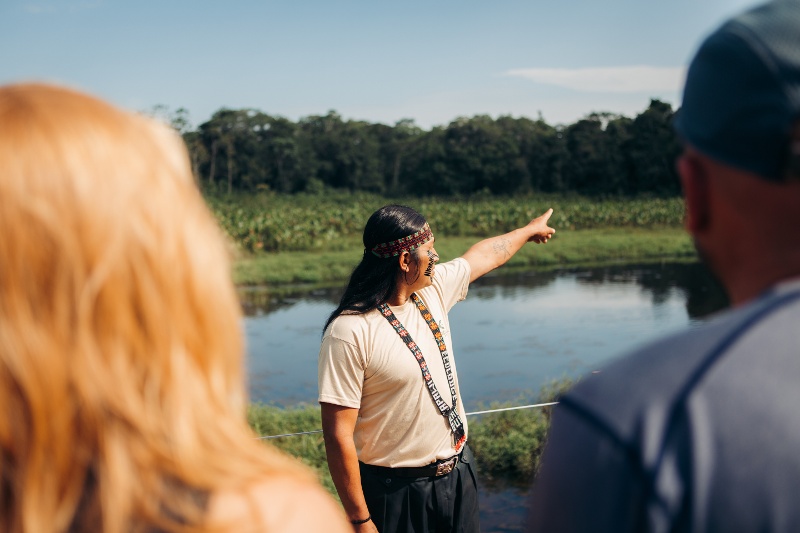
<point>632,79</point>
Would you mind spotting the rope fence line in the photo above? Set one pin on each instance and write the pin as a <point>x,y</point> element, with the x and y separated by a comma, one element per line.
<point>512,408</point>
<point>468,414</point>
<point>290,434</point>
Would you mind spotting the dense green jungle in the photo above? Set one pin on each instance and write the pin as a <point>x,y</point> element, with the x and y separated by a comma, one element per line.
<point>599,155</point>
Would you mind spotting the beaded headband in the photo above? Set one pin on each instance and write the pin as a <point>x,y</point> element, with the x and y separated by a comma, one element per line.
<point>405,244</point>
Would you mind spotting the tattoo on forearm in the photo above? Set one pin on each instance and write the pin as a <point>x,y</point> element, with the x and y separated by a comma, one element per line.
<point>500,247</point>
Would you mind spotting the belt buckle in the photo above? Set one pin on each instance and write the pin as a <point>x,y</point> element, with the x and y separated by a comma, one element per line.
<point>446,467</point>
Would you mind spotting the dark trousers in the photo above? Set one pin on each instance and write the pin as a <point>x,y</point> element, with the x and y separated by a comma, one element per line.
<point>445,504</point>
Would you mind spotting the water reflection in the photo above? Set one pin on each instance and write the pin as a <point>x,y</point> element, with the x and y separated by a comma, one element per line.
<point>260,301</point>
<point>703,292</point>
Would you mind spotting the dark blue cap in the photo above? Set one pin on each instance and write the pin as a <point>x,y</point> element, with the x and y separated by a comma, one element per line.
<point>742,93</point>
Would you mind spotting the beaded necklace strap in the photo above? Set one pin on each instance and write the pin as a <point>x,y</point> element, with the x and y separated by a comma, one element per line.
<point>450,413</point>
<point>405,244</point>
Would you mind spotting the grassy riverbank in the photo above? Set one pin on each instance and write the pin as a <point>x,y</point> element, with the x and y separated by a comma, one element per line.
<point>507,445</point>
<point>567,248</point>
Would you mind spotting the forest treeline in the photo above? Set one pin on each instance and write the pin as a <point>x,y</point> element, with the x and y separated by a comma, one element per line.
<point>599,155</point>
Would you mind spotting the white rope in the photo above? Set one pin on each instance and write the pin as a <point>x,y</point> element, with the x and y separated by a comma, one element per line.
<point>512,408</point>
<point>291,434</point>
<point>468,414</point>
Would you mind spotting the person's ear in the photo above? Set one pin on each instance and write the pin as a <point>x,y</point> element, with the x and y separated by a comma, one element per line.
<point>694,181</point>
<point>405,261</point>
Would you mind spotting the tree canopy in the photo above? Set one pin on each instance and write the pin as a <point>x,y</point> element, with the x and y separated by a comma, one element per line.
<point>601,154</point>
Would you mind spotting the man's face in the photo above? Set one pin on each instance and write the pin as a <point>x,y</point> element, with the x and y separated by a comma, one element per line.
<point>426,263</point>
<point>690,169</point>
<point>694,170</point>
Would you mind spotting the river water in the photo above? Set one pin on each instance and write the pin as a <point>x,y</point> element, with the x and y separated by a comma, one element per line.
<point>513,334</point>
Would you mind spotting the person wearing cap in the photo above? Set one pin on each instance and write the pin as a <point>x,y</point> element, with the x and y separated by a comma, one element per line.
<point>700,431</point>
<point>392,415</point>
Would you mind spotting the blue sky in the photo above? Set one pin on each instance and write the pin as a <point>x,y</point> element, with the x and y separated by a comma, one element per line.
<point>368,60</point>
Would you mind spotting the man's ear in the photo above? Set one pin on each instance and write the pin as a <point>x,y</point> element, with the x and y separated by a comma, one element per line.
<point>694,181</point>
<point>405,261</point>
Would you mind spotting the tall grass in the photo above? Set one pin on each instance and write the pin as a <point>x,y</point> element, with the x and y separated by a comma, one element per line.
<point>271,222</point>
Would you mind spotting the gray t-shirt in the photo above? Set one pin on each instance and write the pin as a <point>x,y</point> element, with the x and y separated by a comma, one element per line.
<point>697,432</point>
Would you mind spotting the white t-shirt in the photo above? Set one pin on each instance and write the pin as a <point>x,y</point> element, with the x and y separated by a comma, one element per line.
<point>364,364</point>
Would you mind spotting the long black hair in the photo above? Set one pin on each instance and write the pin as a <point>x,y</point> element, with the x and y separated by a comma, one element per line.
<point>374,279</point>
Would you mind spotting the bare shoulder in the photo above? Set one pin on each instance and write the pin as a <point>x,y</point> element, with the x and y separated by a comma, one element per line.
<point>282,504</point>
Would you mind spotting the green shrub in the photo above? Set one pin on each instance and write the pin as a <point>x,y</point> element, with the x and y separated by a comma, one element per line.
<point>509,444</point>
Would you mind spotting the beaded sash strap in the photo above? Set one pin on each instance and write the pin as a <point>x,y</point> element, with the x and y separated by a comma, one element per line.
<point>450,413</point>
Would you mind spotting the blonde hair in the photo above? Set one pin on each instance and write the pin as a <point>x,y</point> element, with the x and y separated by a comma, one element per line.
<point>121,382</point>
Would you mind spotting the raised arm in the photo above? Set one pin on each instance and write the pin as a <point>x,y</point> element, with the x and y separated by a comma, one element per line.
<point>338,424</point>
<point>491,253</point>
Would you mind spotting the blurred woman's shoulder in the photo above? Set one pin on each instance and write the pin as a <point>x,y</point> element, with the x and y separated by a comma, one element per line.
<point>283,503</point>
